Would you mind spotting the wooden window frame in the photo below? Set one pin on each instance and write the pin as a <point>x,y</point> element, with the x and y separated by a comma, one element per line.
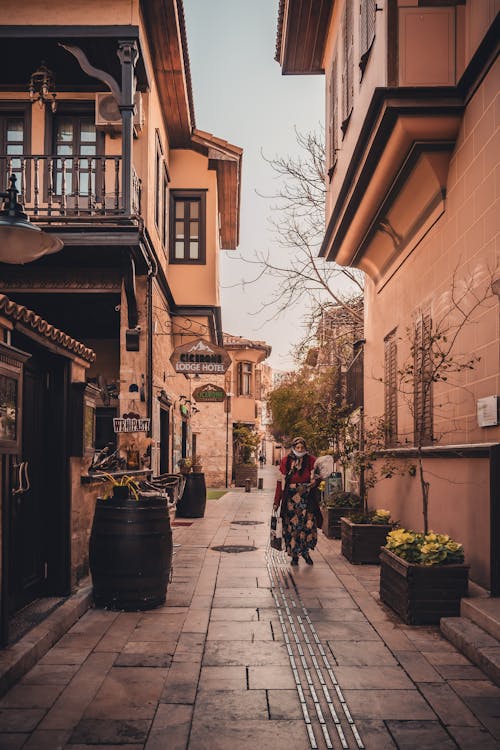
<point>158,176</point>
<point>22,111</point>
<point>245,377</point>
<point>188,195</point>
<point>332,118</point>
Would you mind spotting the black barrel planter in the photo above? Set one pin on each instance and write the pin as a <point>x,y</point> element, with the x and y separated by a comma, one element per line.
<point>193,501</point>
<point>130,553</point>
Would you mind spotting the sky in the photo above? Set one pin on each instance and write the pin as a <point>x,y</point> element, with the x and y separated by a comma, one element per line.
<point>241,96</point>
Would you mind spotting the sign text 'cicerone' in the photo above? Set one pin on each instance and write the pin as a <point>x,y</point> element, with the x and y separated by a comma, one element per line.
<point>200,357</point>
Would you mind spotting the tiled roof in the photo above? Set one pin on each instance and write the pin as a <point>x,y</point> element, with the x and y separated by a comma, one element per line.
<point>21,314</point>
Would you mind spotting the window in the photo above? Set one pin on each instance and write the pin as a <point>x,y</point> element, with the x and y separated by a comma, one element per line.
<point>422,375</point>
<point>367,13</point>
<point>76,143</point>
<point>348,64</point>
<point>244,378</point>
<point>187,226</point>
<point>158,173</point>
<point>332,119</point>
<point>164,225</point>
<point>391,390</point>
<point>13,147</point>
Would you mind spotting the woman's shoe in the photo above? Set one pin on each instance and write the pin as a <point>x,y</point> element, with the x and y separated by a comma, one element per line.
<point>308,559</point>
<point>295,561</point>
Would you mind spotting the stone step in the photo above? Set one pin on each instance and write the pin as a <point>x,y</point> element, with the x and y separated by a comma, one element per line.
<point>475,643</point>
<point>483,612</point>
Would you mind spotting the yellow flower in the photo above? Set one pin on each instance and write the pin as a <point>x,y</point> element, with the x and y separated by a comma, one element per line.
<point>453,546</point>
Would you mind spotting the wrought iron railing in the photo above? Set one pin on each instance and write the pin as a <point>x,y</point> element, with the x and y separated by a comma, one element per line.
<point>354,381</point>
<point>69,186</point>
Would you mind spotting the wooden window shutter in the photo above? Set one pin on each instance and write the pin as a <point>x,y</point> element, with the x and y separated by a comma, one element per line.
<point>348,65</point>
<point>423,416</point>
<point>332,119</point>
<point>258,384</point>
<point>366,30</point>
<point>240,378</point>
<point>391,390</point>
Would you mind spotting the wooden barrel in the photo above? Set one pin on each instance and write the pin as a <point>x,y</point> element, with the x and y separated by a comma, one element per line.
<point>130,553</point>
<point>194,498</point>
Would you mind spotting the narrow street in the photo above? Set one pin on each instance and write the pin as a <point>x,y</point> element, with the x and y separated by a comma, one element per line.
<point>247,654</point>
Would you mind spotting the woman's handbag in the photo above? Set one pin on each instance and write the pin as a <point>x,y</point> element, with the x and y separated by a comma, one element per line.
<point>313,506</point>
<point>276,534</point>
<point>278,493</point>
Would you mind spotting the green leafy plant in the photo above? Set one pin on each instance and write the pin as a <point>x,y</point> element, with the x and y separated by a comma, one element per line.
<point>124,481</point>
<point>343,500</point>
<point>425,549</point>
<point>379,516</point>
<point>246,442</point>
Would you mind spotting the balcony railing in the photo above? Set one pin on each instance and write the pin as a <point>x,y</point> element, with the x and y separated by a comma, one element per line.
<point>354,381</point>
<point>59,188</point>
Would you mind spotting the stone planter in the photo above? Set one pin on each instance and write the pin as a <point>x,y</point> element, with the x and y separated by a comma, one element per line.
<point>361,542</point>
<point>331,520</point>
<point>244,472</point>
<point>421,594</point>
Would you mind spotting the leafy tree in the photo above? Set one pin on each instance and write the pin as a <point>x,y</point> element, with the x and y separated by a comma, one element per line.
<point>246,441</point>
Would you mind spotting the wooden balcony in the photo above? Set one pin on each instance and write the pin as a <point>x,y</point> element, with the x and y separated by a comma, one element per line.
<point>61,190</point>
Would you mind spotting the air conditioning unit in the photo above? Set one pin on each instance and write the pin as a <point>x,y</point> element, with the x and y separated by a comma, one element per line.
<point>107,112</point>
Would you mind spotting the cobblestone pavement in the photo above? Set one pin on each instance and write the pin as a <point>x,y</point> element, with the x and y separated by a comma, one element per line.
<point>250,653</point>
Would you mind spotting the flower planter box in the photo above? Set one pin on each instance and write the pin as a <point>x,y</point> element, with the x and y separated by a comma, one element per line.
<point>331,520</point>
<point>243,472</point>
<point>421,594</point>
<point>361,542</point>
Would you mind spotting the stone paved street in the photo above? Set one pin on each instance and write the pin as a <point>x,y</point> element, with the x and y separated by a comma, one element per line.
<point>250,653</point>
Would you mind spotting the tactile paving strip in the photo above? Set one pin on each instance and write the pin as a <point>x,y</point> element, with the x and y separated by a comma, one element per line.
<point>326,714</point>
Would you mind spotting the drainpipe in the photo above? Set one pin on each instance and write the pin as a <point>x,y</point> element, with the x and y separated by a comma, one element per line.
<point>128,55</point>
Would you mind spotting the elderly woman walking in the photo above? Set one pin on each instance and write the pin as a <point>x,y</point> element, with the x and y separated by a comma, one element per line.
<point>299,523</point>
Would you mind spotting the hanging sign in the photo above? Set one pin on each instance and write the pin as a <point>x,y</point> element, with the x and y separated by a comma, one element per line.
<point>200,357</point>
<point>131,424</point>
<point>209,393</point>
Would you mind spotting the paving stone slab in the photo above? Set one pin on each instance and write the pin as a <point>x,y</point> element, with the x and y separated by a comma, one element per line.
<point>31,696</point>
<point>473,738</point>
<point>50,674</point>
<point>181,683</point>
<point>476,688</point>
<point>170,727</point>
<point>47,740</point>
<point>424,735</point>
<point>270,677</point>
<point>143,660</point>
<point>375,734</point>
<point>284,704</point>
<point>448,706</point>
<point>12,741</point>
<point>388,704</point>
<point>239,614</point>
<point>361,653</point>
<point>223,678</point>
<point>237,704</point>
<point>14,720</point>
<point>246,653</point>
<point>417,667</point>
<point>460,672</point>
<point>107,731</point>
<point>128,693</point>
<point>366,678</point>
<point>241,631</point>
<point>352,631</point>
<point>248,735</point>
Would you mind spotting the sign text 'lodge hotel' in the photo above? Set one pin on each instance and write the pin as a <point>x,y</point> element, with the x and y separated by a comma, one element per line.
<point>200,357</point>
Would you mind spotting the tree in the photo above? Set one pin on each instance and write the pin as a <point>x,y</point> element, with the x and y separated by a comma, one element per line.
<point>298,223</point>
<point>246,441</point>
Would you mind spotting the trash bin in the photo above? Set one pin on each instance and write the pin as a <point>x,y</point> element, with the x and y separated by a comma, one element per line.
<point>248,485</point>
<point>193,500</point>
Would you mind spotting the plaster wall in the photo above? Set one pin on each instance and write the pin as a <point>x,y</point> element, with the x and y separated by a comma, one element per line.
<point>78,13</point>
<point>458,506</point>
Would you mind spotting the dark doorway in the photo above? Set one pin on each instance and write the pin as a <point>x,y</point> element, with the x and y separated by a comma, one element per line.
<point>37,512</point>
<point>164,440</point>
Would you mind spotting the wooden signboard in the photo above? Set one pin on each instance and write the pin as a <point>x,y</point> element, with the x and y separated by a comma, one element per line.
<point>200,357</point>
<point>209,393</point>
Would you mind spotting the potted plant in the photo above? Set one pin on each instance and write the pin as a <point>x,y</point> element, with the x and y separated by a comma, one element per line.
<point>423,576</point>
<point>130,550</point>
<point>185,465</point>
<point>335,506</point>
<point>363,534</point>
<point>197,463</point>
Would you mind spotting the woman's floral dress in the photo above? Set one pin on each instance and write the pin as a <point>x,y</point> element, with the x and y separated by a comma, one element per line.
<point>299,527</point>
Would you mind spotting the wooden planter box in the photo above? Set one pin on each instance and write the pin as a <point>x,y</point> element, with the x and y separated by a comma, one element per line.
<point>331,520</point>
<point>243,472</point>
<point>421,594</point>
<point>361,542</point>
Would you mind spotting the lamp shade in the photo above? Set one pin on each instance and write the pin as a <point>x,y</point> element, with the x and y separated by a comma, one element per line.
<point>22,242</point>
